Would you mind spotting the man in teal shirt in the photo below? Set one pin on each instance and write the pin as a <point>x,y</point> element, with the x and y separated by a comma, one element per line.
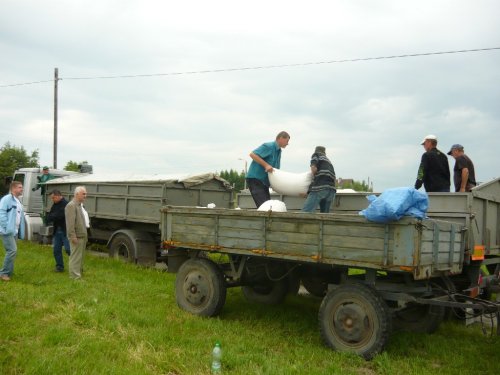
<point>42,179</point>
<point>265,158</point>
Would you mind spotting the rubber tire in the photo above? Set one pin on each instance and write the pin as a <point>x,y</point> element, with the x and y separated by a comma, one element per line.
<point>315,286</point>
<point>122,247</point>
<point>268,293</point>
<point>354,318</point>
<point>200,287</point>
<point>419,318</point>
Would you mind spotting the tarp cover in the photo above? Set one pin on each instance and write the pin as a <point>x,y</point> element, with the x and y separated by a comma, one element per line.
<point>395,203</point>
<point>188,180</point>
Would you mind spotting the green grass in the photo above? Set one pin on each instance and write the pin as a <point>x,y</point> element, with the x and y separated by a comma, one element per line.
<point>122,319</point>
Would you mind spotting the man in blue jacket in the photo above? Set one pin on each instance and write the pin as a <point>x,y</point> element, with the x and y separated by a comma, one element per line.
<point>11,227</point>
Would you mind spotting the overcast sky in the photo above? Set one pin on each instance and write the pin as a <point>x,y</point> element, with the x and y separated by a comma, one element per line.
<point>370,115</point>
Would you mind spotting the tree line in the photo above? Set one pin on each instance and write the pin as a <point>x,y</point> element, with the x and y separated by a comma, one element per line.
<point>13,157</point>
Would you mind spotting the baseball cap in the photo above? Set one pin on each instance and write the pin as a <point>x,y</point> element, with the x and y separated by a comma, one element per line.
<point>456,146</point>
<point>319,150</point>
<point>44,168</point>
<point>430,136</point>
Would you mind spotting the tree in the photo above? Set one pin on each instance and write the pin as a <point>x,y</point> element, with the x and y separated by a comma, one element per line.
<point>12,158</point>
<point>71,166</point>
<point>357,186</point>
<point>78,167</point>
<point>234,178</point>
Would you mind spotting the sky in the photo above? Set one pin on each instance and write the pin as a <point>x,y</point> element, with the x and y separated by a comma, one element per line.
<point>180,101</point>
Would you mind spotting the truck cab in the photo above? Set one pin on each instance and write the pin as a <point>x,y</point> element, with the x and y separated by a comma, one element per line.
<point>32,200</point>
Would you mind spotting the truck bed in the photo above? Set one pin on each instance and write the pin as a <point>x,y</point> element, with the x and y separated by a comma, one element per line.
<point>424,248</point>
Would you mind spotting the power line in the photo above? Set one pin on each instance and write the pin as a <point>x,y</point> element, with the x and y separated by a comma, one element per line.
<point>261,67</point>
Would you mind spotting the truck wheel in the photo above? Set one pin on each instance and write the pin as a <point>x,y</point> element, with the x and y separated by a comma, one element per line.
<point>315,285</point>
<point>354,318</point>
<point>122,247</point>
<point>419,318</point>
<point>267,292</point>
<point>200,288</point>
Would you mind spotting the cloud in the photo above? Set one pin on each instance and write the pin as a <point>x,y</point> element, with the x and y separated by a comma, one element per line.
<point>370,115</point>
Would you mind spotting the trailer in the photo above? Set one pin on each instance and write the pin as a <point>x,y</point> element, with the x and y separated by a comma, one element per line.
<point>378,276</point>
<point>124,210</point>
<point>478,211</point>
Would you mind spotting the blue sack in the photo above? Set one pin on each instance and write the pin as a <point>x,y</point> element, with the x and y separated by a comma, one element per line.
<point>395,203</point>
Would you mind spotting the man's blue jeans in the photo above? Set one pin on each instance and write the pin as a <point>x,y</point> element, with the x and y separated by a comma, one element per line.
<point>9,242</point>
<point>58,240</point>
<point>323,197</point>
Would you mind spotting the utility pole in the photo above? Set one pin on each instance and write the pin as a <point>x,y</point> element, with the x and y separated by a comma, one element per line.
<point>245,180</point>
<point>56,79</point>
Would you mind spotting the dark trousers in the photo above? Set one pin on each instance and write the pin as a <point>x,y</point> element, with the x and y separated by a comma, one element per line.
<point>259,191</point>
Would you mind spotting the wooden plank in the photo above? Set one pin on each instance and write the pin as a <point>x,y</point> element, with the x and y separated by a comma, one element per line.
<point>245,223</point>
<point>240,243</point>
<point>347,253</point>
<point>193,220</point>
<point>293,238</point>
<point>294,227</point>
<point>292,248</point>
<point>240,233</point>
<point>194,229</point>
<point>353,230</point>
<point>354,242</point>
<point>190,239</point>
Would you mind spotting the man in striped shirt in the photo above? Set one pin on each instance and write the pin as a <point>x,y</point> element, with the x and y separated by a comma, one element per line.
<point>322,189</point>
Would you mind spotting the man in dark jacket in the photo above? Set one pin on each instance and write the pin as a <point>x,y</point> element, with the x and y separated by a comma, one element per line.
<point>434,171</point>
<point>58,218</point>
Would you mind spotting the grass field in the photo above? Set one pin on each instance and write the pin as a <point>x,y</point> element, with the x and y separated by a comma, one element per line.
<point>122,319</point>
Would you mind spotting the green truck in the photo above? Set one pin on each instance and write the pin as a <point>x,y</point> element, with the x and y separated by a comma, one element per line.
<point>372,278</point>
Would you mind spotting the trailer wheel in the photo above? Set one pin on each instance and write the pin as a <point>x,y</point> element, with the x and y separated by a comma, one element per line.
<point>267,292</point>
<point>122,247</point>
<point>419,318</point>
<point>200,288</point>
<point>354,318</point>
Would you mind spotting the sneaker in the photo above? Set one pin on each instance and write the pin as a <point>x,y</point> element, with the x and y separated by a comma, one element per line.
<point>5,277</point>
<point>59,270</point>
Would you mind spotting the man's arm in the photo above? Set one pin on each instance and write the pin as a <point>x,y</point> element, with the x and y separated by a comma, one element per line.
<point>70,212</point>
<point>267,167</point>
<point>465,178</point>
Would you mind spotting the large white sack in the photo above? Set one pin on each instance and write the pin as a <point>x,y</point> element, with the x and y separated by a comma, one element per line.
<point>289,183</point>
<point>272,205</point>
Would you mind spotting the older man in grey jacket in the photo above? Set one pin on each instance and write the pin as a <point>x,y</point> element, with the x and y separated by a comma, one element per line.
<point>76,230</point>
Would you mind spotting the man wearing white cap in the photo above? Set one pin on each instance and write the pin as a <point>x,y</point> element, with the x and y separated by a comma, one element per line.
<point>434,170</point>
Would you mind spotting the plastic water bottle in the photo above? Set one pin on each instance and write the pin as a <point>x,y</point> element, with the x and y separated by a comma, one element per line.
<point>216,357</point>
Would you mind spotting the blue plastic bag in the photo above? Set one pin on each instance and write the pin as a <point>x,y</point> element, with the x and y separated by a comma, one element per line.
<point>395,203</point>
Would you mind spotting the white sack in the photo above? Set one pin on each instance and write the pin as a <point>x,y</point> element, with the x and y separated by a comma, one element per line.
<point>288,183</point>
<point>272,205</point>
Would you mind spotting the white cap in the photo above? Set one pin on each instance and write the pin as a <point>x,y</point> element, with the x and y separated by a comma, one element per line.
<point>430,136</point>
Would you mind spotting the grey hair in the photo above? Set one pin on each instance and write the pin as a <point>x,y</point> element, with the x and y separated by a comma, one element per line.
<point>79,189</point>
